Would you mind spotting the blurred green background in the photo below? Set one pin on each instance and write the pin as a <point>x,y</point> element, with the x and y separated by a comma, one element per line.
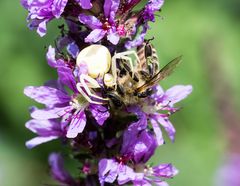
<point>188,27</point>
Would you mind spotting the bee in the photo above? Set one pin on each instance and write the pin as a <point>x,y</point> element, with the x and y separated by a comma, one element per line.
<point>132,80</point>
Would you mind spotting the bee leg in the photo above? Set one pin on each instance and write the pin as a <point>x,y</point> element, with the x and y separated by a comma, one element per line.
<point>145,94</point>
<point>120,90</point>
<point>116,100</point>
<point>136,77</point>
<point>151,69</point>
<point>156,68</point>
<point>128,69</point>
<point>144,74</point>
<point>123,67</point>
<point>131,52</point>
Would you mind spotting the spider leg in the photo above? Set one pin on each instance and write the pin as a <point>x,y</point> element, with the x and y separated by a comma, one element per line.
<point>82,92</point>
<point>93,82</point>
<point>114,61</point>
<point>131,52</point>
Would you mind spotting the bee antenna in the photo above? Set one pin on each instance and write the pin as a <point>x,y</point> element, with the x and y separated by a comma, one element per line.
<point>148,40</point>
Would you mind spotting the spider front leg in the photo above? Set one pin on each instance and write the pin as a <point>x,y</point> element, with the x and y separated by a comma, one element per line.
<point>84,87</point>
<point>131,52</point>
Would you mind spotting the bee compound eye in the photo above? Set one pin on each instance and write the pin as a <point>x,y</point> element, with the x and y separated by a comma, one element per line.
<point>148,50</point>
<point>97,58</point>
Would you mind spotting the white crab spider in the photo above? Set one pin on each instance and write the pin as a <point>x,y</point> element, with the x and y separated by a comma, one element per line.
<point>97,58</point>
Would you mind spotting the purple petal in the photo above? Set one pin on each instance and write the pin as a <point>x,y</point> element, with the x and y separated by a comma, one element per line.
<point>165,170</point>
<point>110,8</point>
<point>151,8</point>
<point>139,145</point>
<point>73,49</point>
<point>44,127</point>
<point>50,113</point>
<point>125,175</point>
<point>145,147</point>
<point>66,76</point>
<point>91,21</point>
<point>56,84</point>
<point>58,7</point>
<point>58,171</point>
<point>156,4</point>
<point>65,73</point>
<point>100,113</point>
<point>177,93</point>
<point>129,139</point>
<point>142,118</point>
<point>39,140</point>
<point>141,182</point>
<point>139,40</point>
<point>158,93</point>
<point>85,4</point>
<point>228,173</point>
<point>113,37</point>
<point>81,69</point>
<point>24,3</point>
<point>42,28</point>
<point>95,36</point>
<point>158,132</point>
<point>46,95</point>
<point>77,125</point>
<point>51,56</point>
<point>107,170</point>
<point>167,125</point>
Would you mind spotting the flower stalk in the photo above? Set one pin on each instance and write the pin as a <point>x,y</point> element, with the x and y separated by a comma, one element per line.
<point>107,105</point>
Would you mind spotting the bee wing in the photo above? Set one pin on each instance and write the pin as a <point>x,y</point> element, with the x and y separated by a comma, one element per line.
<point>162,74</point>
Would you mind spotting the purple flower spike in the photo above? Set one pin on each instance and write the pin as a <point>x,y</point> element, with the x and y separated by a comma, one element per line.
<point>58,171</point>
<point>110,122</point>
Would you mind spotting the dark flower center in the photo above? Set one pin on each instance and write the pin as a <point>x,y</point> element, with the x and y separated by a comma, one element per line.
<point>106,25</point>
<point>122,159</point>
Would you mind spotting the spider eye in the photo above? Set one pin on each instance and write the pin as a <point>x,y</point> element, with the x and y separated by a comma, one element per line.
<point>97,58</point>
